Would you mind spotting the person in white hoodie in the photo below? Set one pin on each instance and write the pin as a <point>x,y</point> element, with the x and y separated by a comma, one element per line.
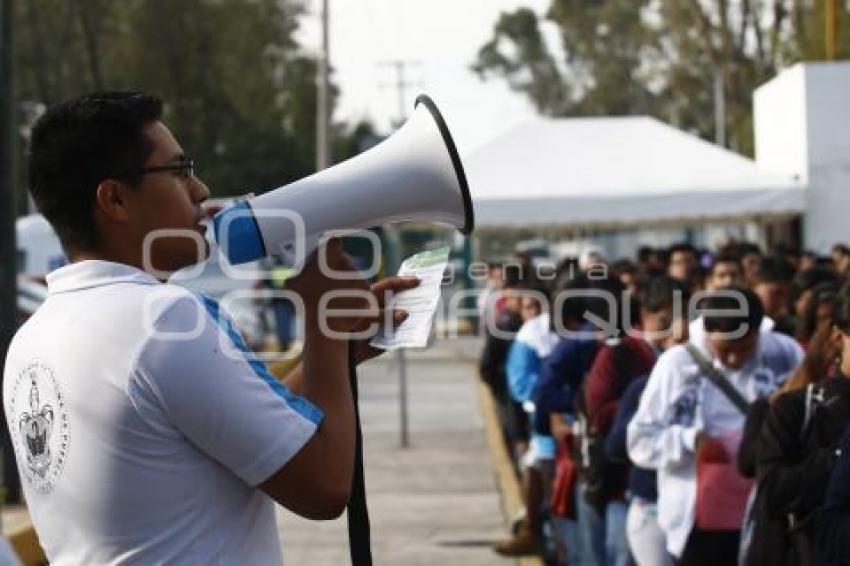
<point>682,413</point>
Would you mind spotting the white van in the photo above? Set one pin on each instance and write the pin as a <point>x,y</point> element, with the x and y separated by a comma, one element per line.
<point>39,250</point>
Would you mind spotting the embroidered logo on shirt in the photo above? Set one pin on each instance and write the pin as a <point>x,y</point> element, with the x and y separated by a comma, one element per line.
<point>40,426</point>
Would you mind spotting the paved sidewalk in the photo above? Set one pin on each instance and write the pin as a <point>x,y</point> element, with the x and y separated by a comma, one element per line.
<point>435,503</point>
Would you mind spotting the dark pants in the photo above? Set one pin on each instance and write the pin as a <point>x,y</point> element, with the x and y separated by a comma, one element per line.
<point>513,420</point>
<point>712,548</point>
<point>284,314</point>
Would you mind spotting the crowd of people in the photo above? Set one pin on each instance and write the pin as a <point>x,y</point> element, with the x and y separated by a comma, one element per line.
<point>684,408</point>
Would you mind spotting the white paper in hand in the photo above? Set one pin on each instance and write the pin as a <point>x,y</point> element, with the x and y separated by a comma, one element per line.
<point>420,302</point>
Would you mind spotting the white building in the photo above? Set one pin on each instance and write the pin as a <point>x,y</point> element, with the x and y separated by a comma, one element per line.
<point>631,181</point>
<point>802,127</point>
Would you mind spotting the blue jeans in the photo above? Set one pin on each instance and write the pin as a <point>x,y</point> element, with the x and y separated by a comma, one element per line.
<point>567,536</point>
<point>603,539</point>
<point>591,530</point>
<point>616,543</point>
<point>284,315</point>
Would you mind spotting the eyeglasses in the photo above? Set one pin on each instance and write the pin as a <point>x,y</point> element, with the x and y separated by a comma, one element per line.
<point>185,169</point>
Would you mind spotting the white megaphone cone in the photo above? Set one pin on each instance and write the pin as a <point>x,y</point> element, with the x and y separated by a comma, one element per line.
<point>415,175</point>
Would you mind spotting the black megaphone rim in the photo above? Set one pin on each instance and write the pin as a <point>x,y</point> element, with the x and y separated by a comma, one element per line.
<point>469,215</point>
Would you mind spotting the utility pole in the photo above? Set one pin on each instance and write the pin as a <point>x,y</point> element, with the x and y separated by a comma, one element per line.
<point>394,259</point>
<point>719,107</point>
<point>831,22</point>
<point>401,85</point>
<point>8,249</point>
<point>322,97</point>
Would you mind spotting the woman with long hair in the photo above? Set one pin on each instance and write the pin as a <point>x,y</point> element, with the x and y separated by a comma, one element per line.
<point>818,312</point>
<point>796,449</point>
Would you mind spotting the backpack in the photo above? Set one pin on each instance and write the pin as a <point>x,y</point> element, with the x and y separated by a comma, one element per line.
<point>797,537</point>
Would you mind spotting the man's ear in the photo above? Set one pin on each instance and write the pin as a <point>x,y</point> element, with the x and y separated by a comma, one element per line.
<point>111,201</point>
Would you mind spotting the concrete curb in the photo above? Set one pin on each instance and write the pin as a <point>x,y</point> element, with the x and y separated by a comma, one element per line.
<point>18,529</point>
<point>508,484</point>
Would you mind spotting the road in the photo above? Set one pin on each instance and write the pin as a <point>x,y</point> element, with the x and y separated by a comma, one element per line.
<point>434,503</point>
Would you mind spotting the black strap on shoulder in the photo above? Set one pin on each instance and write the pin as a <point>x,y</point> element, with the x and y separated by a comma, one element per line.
<point>814,399</point>
<point>719,379</point>
<point>359,540</point>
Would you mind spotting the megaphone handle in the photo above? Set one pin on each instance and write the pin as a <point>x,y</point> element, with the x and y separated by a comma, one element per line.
<point>359,538</point>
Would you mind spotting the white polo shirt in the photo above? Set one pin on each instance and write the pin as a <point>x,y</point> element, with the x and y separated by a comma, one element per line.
<point>141,428</point>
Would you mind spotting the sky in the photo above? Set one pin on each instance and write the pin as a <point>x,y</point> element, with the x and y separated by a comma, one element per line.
<point>440,38</point>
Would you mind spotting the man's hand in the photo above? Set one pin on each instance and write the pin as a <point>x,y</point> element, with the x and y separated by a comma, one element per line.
<point>316,482</point>
<point>383,292</point>
<point>312,285</point>
<point>560,429</point>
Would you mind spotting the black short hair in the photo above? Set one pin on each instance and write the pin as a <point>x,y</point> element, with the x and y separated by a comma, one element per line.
<point>811,278</point>
<point>785,249</point>
<point>608,293</point>
<point>624,267</point>
<point>567,266</point>
<point>775,269</point>
<point>815,276</point>
<point>725,256</point>
<point>644,254</point>
<point>534,290</point>
<point>565,306</point>
<point>748,306</point>
<point>659,293</point>
<point>682,247</point>
<point>77,144</point>
<point>511,276</point>
<point>747,248</point>
<point>823,293</point>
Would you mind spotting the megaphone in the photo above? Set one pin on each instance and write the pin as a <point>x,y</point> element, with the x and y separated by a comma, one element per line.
<point>414,175</point>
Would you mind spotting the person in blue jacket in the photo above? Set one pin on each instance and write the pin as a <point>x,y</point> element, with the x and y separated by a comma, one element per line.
<point>562,374</point>
<point>533,342</point>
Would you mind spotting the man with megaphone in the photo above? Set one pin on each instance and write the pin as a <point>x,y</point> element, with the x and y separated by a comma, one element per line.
<point>143,429</point>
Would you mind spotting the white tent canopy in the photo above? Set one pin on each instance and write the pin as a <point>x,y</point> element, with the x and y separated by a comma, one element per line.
<point>616,173</point>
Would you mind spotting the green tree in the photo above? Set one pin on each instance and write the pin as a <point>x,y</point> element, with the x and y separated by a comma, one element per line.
<point>530,68</point>
<point>240,92</point>
<point>657,57</point>
<point>606,45</point>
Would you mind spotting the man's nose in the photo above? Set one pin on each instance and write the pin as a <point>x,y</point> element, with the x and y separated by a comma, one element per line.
<point>201,192</point>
